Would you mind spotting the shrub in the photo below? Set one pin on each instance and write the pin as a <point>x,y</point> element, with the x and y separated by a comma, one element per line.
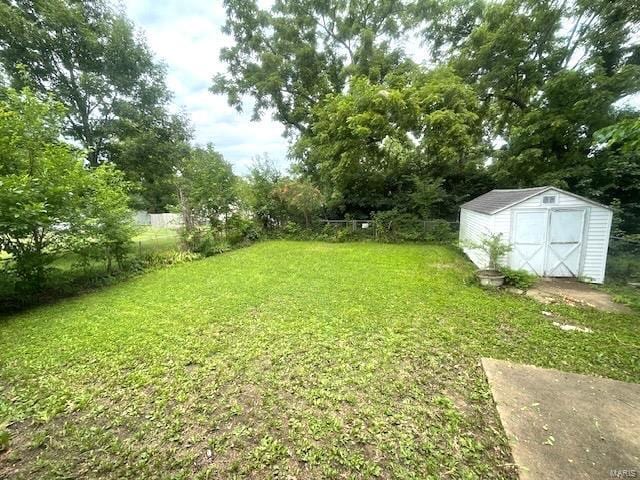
<point>493,246</point>
<point>623,261</point>
<point>518,278</point>
<point>391,226</point>
<point>203,241</point>
<point>439,231</point>
<point>344,235</point>
<point>239,229</point>
<point>165,259</point>
<point>103,228</point>
<point>292,229</point>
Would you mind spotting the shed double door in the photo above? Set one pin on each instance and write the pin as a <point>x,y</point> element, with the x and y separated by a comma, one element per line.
<point>548,242</point>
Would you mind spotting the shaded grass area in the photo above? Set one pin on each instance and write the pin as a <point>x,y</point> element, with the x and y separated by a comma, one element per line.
<point>153,239</point>
<point>627,294</point>
<point>300,359</point>
<point>67,275</point>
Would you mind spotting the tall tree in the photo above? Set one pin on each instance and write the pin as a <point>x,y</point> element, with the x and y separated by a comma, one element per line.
<point>206,186</point>
<point>548,73</point>
<point>378,147</point>
<point>91,58</point>
<point>49,203</point>
<point>289,57</point>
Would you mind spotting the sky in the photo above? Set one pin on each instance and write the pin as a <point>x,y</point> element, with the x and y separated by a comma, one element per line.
<point>187,36</point>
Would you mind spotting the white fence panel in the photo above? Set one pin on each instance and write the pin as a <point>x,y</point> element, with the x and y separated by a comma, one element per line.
<point>165,220</point>
<point>142,218</point>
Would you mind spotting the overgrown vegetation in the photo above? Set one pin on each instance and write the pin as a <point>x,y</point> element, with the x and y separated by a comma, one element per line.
<point>312,360</point>
<point>50,205</point>
<point>74,273</point>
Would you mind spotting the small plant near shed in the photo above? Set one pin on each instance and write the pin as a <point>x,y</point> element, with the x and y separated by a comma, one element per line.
<point>518,278</point>
<point>495,247</point>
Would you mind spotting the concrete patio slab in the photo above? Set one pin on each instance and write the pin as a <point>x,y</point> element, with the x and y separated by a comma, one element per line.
<point>573,292</point>
<point>564,425</point>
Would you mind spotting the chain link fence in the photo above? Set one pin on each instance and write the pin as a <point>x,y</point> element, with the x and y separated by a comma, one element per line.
<point>623,260</point>
<point>393,230</point>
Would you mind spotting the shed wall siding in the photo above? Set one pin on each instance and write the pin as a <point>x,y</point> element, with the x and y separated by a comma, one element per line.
<point>563,200</point>
<point>597,244</point>
<point>598,225</point>
<point>501,224</point>
<point>473,227</point>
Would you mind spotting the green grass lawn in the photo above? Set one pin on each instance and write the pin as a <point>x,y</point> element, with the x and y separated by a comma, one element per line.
<point>152,239</point>
<point>284,360</point>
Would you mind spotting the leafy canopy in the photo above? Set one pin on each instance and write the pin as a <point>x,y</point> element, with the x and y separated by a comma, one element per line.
<point>89,56</point>
<point>290,56</point>
<point>404,142</point>
<point>49,203</point>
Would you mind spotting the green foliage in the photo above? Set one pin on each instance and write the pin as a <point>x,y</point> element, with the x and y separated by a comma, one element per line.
<point>292,55</point>
<point>617,172</point>
<point>623,260</point>
<point>300,198</point>
<point>494,246</point>
<point>375,132</point>
<point>625,133</point>
<point>103,226</point>
<point>204,241</point>
<point>206,188</point>
<point>412,143</point>
<point>263,182</point>
<point>5,440</point>
<point>391,226</point>
<point>49,203</point>
<point>626,294</point>
<point>239,229</point>
<point>40,183</point>
<point>440,231</point>
<point>168,258</point>
<point>518,278</point>
<point>300,359</point>
<point>70,274</point>
<point>89,55</point>
<point>549,75</point>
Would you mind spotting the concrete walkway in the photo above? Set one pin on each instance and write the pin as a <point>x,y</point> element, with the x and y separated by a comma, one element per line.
<point>567,426</point>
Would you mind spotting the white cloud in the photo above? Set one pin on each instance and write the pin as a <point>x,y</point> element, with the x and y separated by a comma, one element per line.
<point>187,37</point>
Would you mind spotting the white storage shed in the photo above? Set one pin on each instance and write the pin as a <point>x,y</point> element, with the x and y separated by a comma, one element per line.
<point>553,233</point>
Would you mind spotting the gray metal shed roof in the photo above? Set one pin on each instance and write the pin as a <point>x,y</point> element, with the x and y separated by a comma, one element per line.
<point>496,200</point>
